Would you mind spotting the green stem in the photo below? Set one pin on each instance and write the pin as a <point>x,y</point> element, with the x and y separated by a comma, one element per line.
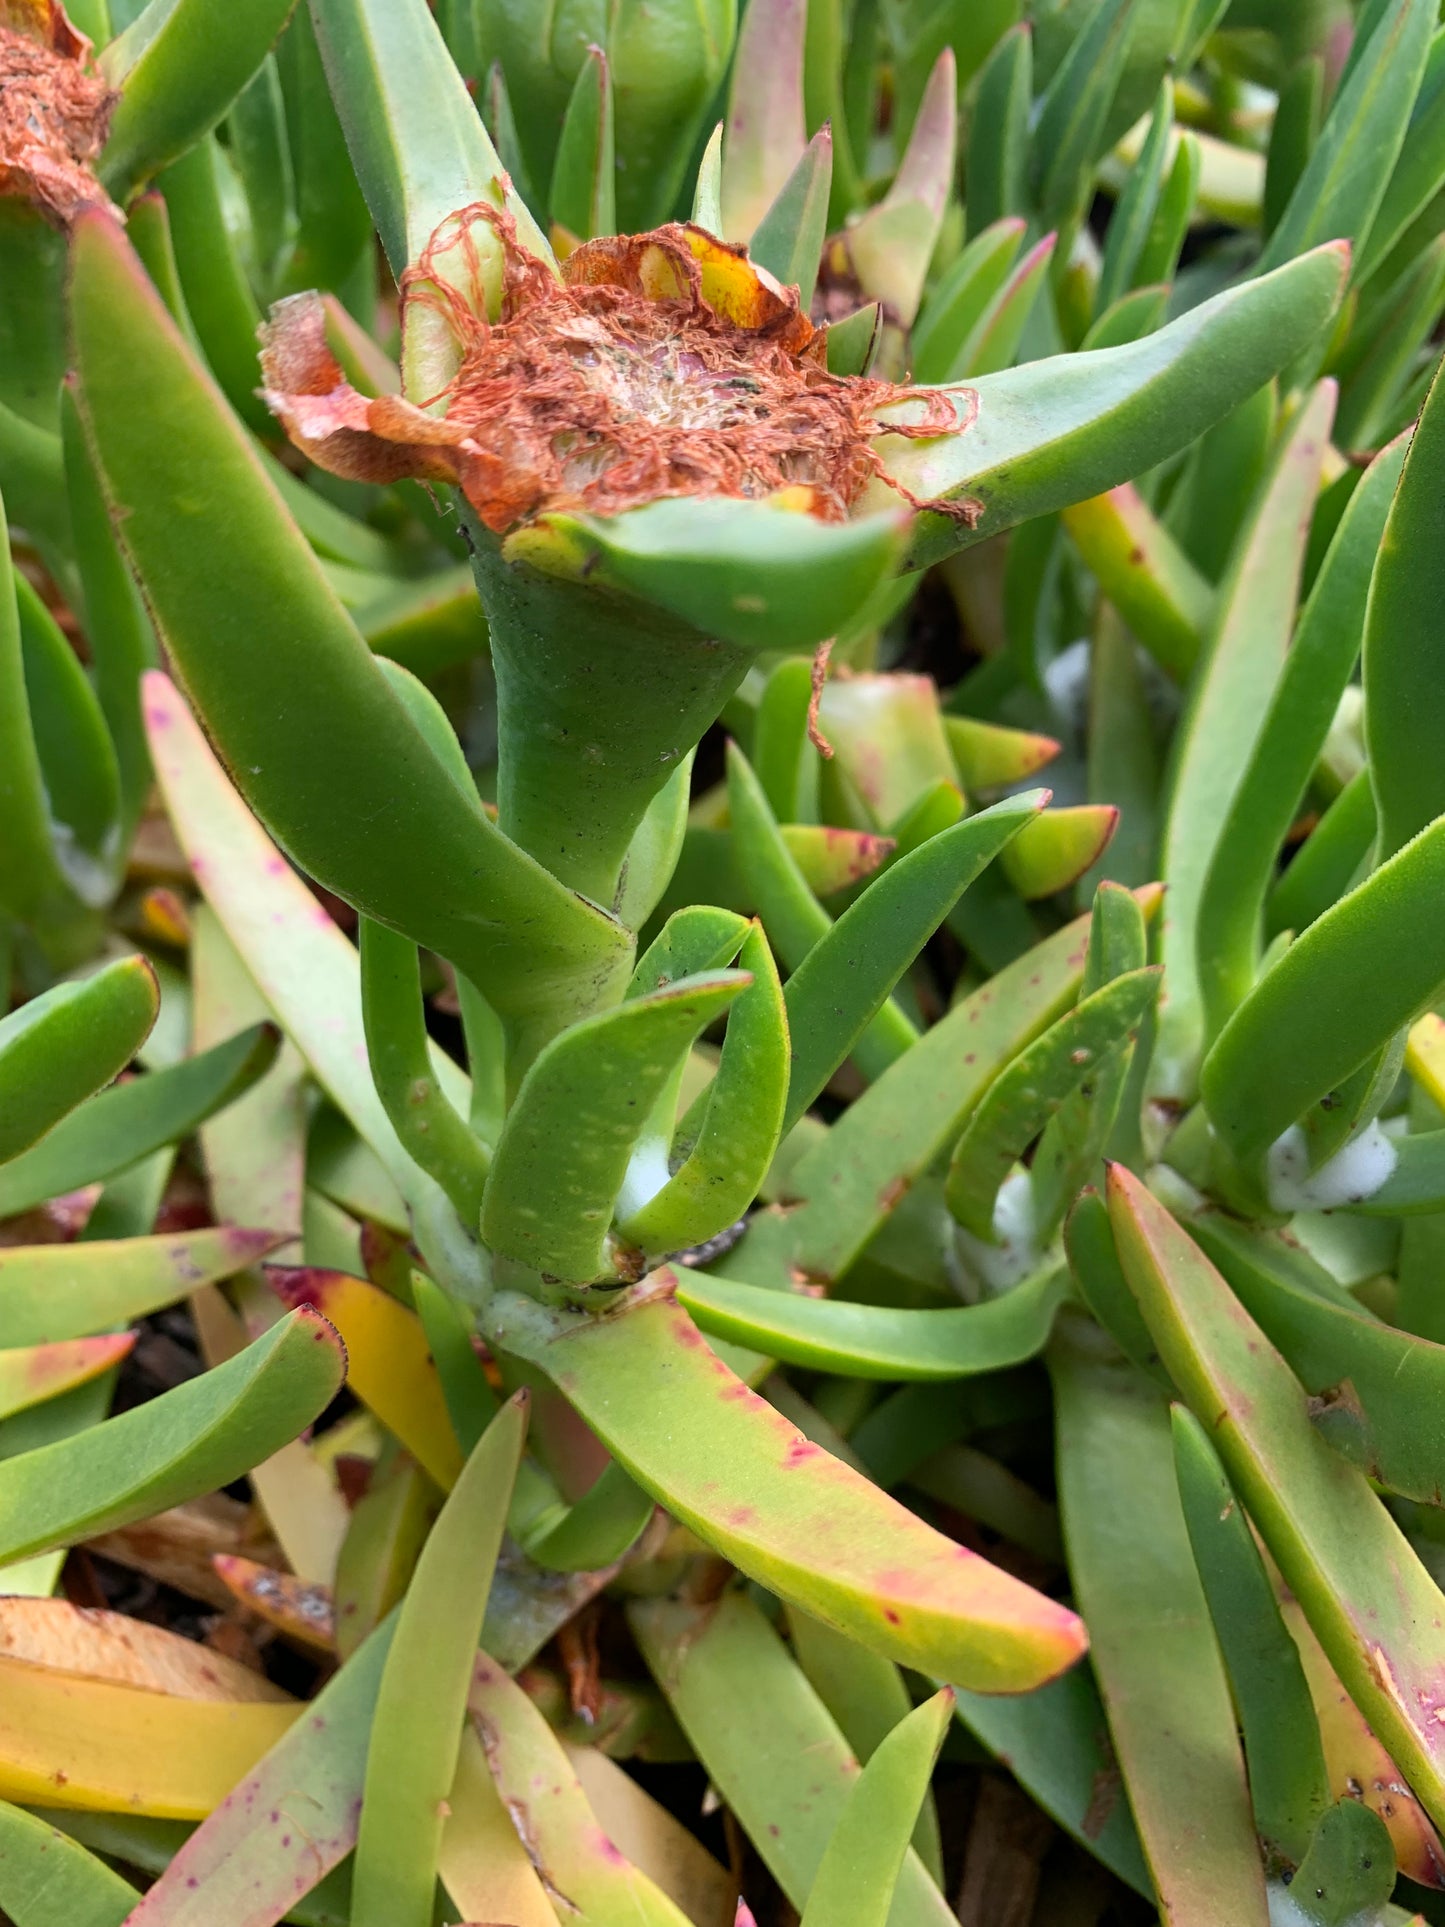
<point>599,697</point>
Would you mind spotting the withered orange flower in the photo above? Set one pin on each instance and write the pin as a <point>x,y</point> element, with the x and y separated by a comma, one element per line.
<point>659,364</point>
<point>54,111</point>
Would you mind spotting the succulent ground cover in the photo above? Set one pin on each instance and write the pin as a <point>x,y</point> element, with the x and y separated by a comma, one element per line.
<point>722,887</point>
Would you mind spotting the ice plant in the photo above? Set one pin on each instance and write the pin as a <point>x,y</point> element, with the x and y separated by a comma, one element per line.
<point>522,882</point>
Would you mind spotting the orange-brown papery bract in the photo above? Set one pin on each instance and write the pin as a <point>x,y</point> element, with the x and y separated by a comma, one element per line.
<point>54,111</point>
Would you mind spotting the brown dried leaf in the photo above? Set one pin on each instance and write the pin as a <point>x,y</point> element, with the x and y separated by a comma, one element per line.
<point>129,1652</point>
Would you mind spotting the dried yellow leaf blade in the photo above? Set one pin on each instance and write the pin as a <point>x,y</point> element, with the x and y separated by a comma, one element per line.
<point>67,1741</point>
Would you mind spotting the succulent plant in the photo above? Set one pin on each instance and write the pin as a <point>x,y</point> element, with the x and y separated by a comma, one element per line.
<point>783,1255</point>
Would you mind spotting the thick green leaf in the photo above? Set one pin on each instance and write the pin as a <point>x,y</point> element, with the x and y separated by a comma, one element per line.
<point>1056,431</point>
<point>853,1178</point>
<point>1242,660</point>
<point>53,1292</point>
<point>766,1739</point>
<point>788,241</point>
<point>222,563</point>
<point>538,1792</point>
<point>1218,488</point>
<point>993,340</point>
<point>1229,926</point>
<point>1420,171</point>
<point>232,1861</point>
<point>1069,130</point>
<point>1292,135</point>
<point>184,1443</point>
<point>1099,1277</point>
<point>256,126</point>
<point>1335,854</point>
<point>416,140</point>
<point>1075,1137</point>
<point>867,1696</point>
<point>1145,574</point>
<point>1368,1599</point>
<point>416,1728</point>
<point>596,1530</point>
<point>433,1132</point>
<point>1133,213</point>
<point>859,1872</point>
<point>747,574</point>
<point>125,1124</point>
<point>998,140</point>
<point>34,884</point>
<point>62,1046</point>
<point>179,66</point>
<point>49,1880</point>
<point>1023,1098</point>
<point>708,582</point>
<point>838,988</point>
<point>1342,990</point>
<point>1348,1875</point>
<point>728,1139</point>
<point>1131,317</point>
<point>797,923</point>
<point>563,1153</point>
<point>209,291</point>
<point>1402,659</point>
<point>799,1522</point>
<point>117,629</point>
<point>584,198</point>
<point>965,292</point>
<point>302,964</point>
<point>1153,1645</point>
<point>1288,1787</point>
<point>1348,171</point>
<point>877,1341</point>
<point>77,758</point>
<point>1376,1389</point>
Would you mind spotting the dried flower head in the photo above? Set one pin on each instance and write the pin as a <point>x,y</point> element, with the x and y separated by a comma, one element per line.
<point>659,364</point>
<point>54,111</point>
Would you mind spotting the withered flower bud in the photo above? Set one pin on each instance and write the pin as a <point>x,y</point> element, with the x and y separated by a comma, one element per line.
<point>659,364</point>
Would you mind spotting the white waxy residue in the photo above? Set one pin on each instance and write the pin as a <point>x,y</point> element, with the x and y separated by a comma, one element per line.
<point>1354,1173</point>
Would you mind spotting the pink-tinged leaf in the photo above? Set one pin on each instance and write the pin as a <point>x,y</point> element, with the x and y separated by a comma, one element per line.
<point>992,756</point>
<point>1371,1604</point>
<point>892,245</point>
<point>301,963</point>
<point>551,1812</point>
<point>289,1821</point>
<point>832,858</point>
<point>789,1515</point>
<point>33,1373</point>
<point>1057,848</point>
<point>299,1608</point>
<point>766,129</point>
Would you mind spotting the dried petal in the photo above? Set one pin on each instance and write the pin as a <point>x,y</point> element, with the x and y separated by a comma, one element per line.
<point>660,364</point>
<point>54,111</point>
